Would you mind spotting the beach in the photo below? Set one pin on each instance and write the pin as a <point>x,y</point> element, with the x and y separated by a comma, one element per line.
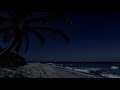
<point>39,70</point>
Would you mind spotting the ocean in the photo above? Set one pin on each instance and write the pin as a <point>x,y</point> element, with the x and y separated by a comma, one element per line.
<point>106,69</point>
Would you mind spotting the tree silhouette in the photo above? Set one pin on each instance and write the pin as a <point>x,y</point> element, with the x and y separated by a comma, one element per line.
<point>18,27</point>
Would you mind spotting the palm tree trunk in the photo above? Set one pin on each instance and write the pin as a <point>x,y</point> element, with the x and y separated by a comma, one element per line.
<point>9,48</point>
<point>4,51</point>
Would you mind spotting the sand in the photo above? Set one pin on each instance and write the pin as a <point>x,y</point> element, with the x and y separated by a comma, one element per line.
<point>38,70</point>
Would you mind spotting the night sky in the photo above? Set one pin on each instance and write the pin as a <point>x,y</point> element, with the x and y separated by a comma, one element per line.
<point>94,36</point>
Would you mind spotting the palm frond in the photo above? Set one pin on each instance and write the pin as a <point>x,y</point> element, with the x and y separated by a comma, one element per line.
<point>12,45</point>
<point>55,31</point>
<point>18,26</point>
<point>38,36</point>
<point>6,37</point>
<point>49,19</point>
<point>6,33</point>
<point>27,42</point>
<point>18,45</point>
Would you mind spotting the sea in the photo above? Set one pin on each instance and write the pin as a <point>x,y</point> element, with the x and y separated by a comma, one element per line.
<point>101,69</point>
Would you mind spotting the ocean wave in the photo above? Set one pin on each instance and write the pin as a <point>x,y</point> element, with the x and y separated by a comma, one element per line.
<point>107,72</point>
<point>91,71</point>
<point>81,70</point>
<point>69,68</point>
<point>114,67</point>
<point>110,75</point>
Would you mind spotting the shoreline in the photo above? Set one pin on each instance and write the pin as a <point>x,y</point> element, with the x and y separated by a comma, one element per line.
<point>79,74</point>
<point>39,70</point>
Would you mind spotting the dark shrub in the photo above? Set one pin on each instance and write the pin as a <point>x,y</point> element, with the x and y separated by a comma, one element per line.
<point>12,60</point>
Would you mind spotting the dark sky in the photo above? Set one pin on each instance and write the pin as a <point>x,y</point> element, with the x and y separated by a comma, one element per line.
<point>94,33</point>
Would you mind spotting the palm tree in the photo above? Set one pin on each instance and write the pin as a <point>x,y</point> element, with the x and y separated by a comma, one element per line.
<point>18,27</point>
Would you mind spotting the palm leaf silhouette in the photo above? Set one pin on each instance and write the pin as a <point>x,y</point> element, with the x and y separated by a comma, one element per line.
<point>38,36</point>
<point>19,27</point>
<point>55,31</point>
<point>27,42</point>
<point>18,45</point>
<point>49,19</point>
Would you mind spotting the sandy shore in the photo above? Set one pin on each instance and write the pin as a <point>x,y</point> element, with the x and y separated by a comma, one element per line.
<point>62,73</point>
<point>38,70</point>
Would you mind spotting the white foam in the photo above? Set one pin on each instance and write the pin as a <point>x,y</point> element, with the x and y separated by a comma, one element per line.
<point>110,75</point>
<point>69,68</point>
<point>61,67</point>
<point>114,67</point>
<point>82,70</point>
